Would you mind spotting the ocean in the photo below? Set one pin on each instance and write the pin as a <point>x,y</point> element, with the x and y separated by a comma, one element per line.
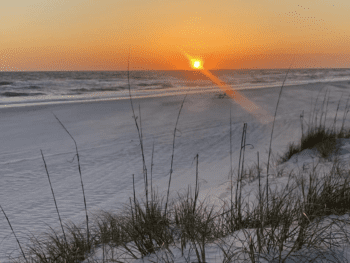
<point>57,87</point>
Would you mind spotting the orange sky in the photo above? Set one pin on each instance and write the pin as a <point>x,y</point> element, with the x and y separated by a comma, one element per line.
<point>229,34</point>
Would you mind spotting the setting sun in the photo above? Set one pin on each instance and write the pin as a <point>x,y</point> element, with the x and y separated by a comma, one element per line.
<point>197,63</point>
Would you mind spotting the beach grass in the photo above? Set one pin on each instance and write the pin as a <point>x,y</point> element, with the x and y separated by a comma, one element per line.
<point>318,136</point>
<point>288,225</point>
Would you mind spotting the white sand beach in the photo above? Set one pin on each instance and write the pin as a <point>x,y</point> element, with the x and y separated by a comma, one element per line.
<point>110,154</point>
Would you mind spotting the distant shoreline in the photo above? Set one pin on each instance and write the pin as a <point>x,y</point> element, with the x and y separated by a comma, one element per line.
<point>144,95</point>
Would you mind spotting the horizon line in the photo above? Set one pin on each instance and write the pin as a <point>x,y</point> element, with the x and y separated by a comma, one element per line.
<point>171,69</point>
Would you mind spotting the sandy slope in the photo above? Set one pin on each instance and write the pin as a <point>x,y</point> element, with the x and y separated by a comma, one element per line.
<point>110,153</point>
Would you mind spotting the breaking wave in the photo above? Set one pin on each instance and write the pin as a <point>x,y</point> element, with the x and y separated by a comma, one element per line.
<point>18,94</point>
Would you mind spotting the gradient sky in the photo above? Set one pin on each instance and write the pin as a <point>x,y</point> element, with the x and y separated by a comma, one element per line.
<point>226,34</point>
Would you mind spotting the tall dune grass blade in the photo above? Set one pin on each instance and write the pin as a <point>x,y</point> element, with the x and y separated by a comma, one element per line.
<point>273,125</point>
<point>81,181</point>
<point>59,217</point>
<point>172,156</point>
<point>8,221</point>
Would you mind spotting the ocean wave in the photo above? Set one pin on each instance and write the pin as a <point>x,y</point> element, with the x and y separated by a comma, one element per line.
<point>84,90</point>
<point>18,94</point>
<point>156,85</point>
<point>167,85</point>
<point>34,87</point>
<point>146,84</point>
<point>149,84</point>
<point>3,83</point>
<point>196,84</point>
<point>258,81</point>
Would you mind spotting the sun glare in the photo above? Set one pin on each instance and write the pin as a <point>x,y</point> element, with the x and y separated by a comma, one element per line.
<point>197,64</point>
<point>245,103</point>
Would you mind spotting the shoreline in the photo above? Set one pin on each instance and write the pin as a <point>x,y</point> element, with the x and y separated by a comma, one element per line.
<point>198,90</point>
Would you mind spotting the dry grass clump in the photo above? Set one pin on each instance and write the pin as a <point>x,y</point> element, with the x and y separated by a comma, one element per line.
<point>324,140</point>
<point>146,227</point>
